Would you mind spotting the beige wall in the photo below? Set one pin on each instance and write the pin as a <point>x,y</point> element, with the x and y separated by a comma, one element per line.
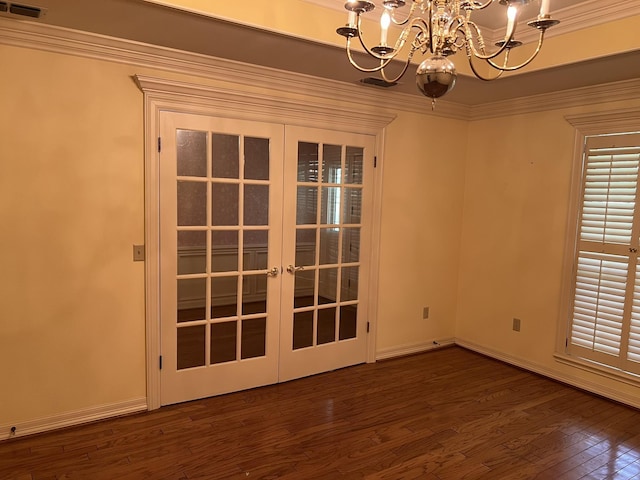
<point>421,228</point>
<point>474,230</point>
<point>514,229</point>
<point>72,205</point>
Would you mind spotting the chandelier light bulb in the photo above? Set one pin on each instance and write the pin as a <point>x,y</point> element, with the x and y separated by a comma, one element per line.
<point>385,21</point>
<point>544,8</point>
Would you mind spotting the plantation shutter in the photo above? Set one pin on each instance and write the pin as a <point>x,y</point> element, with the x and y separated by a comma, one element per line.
<point>605,323</point>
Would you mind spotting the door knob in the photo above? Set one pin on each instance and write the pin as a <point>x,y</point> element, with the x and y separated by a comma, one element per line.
<point>292,269</point>
<point>273,272</point>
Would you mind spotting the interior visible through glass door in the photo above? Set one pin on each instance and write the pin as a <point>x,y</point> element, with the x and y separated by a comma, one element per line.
<point>327,245</point>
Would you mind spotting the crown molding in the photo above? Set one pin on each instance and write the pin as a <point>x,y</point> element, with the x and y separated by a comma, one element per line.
<point>281,84</point>
<point>605,93</point>
<point>585,14</point>
<point>95,46</point>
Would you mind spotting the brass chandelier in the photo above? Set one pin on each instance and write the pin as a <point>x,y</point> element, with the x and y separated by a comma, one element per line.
<point>442,27</point>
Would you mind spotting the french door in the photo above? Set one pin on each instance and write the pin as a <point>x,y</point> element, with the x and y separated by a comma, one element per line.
<point>262,249</point>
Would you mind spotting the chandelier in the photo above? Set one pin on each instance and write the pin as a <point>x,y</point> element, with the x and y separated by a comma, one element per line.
<point>440,28</point>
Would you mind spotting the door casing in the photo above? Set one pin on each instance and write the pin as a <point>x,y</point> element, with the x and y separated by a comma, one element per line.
<point>169,95</point>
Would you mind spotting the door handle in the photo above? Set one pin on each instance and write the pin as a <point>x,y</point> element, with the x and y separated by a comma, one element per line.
<point>292,269</point>
<point>273,272</point>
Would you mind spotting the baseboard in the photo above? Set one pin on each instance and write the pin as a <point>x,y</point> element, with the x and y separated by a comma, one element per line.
<point>592,387</point>
<point>73,418</point>
<point>402,350</point>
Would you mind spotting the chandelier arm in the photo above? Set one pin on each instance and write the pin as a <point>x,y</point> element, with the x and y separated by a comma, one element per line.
<point>505,68</point>
<point>409,15</point>
<point>402,72</point>
<point>383,62</point>
<point>481,7</point>
<point>483,56</point>
<point>477,74</point>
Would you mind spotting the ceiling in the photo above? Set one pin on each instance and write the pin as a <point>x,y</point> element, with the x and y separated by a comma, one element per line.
<point>155,24</point>
<point>491,18</point>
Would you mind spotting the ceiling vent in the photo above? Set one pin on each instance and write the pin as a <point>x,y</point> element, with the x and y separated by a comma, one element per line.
<point>22,10</point>
<point>377,82</point>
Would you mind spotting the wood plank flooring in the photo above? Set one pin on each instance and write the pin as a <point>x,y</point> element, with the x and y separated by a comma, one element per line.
<point>446,414</point>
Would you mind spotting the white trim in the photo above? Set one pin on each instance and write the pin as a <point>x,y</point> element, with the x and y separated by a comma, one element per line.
<point>152,250</point>
<point>315,90</point>
<point>599,369</point>
<point>74,418</point>
<point>589,386</point>
<point>613,121</point>
<point>410,349</point>
<point>374,257</point>
<point>605,93</point>
<point>89,45</point>
<point>264,107</point>
<point>169,95</point>
<point>607,122</point>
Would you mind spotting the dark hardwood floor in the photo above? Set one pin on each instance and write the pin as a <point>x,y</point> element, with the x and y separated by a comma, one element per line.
<point>446,414</point>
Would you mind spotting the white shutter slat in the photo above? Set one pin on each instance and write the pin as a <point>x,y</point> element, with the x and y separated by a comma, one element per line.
<point>602,309</point>
<point>610,188</point>
<point>601,282</point>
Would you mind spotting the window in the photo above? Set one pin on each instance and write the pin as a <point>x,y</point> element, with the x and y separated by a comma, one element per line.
<point>605,305</point>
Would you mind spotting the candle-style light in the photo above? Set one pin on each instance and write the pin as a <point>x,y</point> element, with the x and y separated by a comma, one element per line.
<point>442,28</point>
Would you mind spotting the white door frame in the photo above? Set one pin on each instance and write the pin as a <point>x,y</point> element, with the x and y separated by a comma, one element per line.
<point>169,95</point>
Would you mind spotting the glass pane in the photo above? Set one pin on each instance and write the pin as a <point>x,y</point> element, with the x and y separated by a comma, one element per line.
<point>302,329</point>
<point>332,164</point>
<point>352,205</point>
<point>254,294</point>
<point>328,245</point>
<point>307,162</point>
<point>224,296</point>
<point>326,325</point>
<point>305,246</point>
<point>223,342</point>
<point>225,204</point>
<point>256,204</point>
<point>327,285</point>
<point>255,249</point>
<point>353,165</point>
<point>192,203</point>
<point>307,205</point>
<point>190,346</point>
<point>304,288</point>
<point>350,245</point>
<point>254,338</point>
<point>348,317</point>
<point>192,252</point>
<point>349,284</point>
<point>191,152</point>
<point>192,294</point>
<point>256,158</point>
<point>225,156</point>
<point>224,251</point>
<point>330,208</point>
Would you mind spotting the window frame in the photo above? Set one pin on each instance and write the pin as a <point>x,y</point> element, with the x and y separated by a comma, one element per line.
<point>587,125</point>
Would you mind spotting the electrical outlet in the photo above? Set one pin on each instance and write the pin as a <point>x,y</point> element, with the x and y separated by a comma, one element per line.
<point>425,312</point>
<point>516,324</point>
